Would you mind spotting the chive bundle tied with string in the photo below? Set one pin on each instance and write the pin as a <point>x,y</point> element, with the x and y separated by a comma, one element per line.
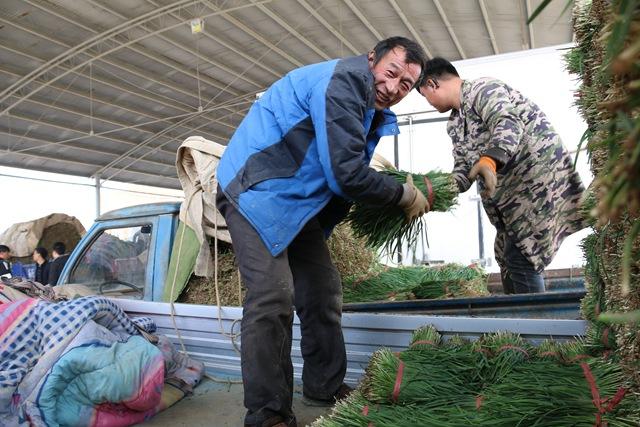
<point>384,227</point>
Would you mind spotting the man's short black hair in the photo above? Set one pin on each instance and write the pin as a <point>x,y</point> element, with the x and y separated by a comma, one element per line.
<point>4,248</point>
<point>436,68</point>
<point>44,253</point>
<point>59,247</point>
<point>414,53</point>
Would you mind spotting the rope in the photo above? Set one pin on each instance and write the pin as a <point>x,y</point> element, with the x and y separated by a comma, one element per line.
<point>231,336</point>
<point>430,194</point>
<point>396,386</point>
<point>513,347</point>
<point>479,399</point>
<point>597,401</point>
<point>365,412</point>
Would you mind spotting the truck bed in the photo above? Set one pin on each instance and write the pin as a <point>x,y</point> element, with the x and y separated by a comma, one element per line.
<point>364,333</point>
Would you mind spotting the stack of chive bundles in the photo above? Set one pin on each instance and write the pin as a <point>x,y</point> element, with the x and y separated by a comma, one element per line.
<point>406,283</point>
<point>497,381</point>
<point>383,228</point>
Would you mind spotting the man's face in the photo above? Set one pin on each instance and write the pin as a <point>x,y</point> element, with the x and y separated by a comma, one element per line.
<point>5,255</point>
<point>435,95</point>
<point>393,77</point>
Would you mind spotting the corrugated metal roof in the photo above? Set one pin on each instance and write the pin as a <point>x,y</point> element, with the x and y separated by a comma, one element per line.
<point>111,88</point>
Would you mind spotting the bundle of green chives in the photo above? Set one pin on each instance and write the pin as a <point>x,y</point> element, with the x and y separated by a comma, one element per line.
<point>545,393</point>
<point>452,280</point>
<point>357,411</point>
<point>553,385</point>
<point>425,336</point>
<point>396,284</point>
<point>504,350</point>
<point>384,227</point>
<point>391,284</point>
<point>430,372</point>
<point>434,378</point>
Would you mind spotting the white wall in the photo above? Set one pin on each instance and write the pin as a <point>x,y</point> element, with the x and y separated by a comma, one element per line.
<point>541,76</point>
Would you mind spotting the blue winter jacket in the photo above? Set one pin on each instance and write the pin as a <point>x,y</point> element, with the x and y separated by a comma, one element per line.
<point>309,138</point>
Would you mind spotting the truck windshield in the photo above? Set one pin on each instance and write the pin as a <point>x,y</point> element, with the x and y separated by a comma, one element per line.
<point>115,264</point>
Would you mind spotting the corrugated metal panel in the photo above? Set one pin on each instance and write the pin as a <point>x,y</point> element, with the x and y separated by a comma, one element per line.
<point>364,332</point>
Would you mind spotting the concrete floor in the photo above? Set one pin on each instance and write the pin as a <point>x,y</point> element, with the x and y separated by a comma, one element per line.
<point>220,405</point>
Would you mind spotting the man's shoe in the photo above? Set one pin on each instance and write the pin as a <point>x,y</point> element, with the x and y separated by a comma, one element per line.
<point>343,391</point>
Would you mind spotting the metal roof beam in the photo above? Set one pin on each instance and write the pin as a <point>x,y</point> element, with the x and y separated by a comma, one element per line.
<point>379,36</point>
<point>410,27</point>
<point>254,34</point>
<point>101,134</point>
<point>75,162</point>
<point>329,27</point>
<point>120,126</point>
<point>146,27</point>
<point>102,101</point>
<point>47,143</point>
<point>447,24</point>
<point>290,29</point>
<point>88,44</point>
<point>487,24</point>
<point>55,125</point>
<point>78,162</point>
<point>75,20</point>
<point>532,40</point>
<point>94,41</point>
<point>143,144</point>
<point>238,50</point>
<point>155,98</point>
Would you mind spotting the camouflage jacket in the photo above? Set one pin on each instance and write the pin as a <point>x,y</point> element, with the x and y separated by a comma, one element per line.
<point>538,194</point>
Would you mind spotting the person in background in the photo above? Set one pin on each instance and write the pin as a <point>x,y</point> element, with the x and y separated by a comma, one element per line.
<point>5,264</point>
<point>288,176</point>
<point>529,188</point>
<point>39,256</point>
<point>60,258</point>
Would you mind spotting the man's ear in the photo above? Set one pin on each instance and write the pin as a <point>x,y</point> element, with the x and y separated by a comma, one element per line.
<point>371,56</point>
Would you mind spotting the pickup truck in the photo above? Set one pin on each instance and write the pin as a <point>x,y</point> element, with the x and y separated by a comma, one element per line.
<point>126,254</point>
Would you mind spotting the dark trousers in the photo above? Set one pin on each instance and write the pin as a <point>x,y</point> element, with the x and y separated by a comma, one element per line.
<point>302,276</point>
<point>518,274</point>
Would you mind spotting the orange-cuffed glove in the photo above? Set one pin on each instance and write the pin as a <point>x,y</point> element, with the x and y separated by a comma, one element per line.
<point>486,168</point>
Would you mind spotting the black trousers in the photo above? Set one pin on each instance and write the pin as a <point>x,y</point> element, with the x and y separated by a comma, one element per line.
<point>302,276</point>
<point>518,275</point>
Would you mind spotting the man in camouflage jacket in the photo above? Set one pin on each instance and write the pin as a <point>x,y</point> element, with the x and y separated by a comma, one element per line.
<point>530,191</point>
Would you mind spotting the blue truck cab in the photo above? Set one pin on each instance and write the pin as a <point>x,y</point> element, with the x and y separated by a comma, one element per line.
<point>126,252</point>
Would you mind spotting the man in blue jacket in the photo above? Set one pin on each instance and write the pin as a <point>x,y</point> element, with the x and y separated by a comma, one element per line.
<point>289,174</point>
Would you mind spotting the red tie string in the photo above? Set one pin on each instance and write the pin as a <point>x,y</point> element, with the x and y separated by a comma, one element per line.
<point>513,347</point>
<point>430,195</point>
<point>396,387</point>
<point>597,401</point>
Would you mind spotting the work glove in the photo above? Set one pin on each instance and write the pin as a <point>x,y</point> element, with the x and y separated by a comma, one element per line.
<point>413,201</point>
<point>486,168</point>
<point>380,164</point>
